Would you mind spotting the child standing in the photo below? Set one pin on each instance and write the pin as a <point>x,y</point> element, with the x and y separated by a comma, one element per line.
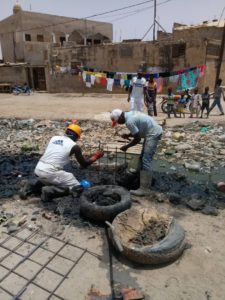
<point>205,101</point>
<point>170,103</point>
<point>195,105</point>
<point>182,104</point>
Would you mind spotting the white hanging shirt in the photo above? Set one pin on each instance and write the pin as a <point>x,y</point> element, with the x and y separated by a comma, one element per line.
<point>57,154</point>
<point>138,88</point>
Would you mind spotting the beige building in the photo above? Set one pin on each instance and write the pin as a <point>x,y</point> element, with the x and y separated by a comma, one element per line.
<point>186,46</point>
<point>25,36</point>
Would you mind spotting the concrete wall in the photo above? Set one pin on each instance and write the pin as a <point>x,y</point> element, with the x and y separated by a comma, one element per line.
<point>13,74</point>
<point>14,28</point>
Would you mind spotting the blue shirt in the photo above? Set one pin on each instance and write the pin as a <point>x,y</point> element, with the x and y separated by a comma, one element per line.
<point>138,122</point>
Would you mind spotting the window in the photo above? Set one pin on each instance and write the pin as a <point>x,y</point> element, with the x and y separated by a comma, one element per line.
<point>62,40</point>
<point>97,42</point>
<point>40,38</point>
<point>178,50</point>
<point>27,37</point>
<point>213,49</point>
<point>89,42</point>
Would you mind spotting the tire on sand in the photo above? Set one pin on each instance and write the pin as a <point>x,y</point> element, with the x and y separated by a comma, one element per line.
<point>96,212</point>
<point>164,251</point>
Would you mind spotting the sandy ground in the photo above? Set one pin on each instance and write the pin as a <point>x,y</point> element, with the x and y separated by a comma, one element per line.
<point>69,106</point>
<point>197,275</point>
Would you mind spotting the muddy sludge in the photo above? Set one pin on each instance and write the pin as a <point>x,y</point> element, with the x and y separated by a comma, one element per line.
<point>104,199</point>
<point>152,233</point>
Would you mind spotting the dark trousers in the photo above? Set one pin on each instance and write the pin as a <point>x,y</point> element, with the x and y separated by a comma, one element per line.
<point>205,105</point>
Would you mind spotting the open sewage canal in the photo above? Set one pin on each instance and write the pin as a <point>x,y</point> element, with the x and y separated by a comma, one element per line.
<point>181,188</point>
<point>23,142</point>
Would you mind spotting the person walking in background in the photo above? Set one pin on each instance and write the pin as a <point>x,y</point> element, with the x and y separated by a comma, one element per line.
<point>171,108</point>
<point>182,104</point>
<point>205,101</point>
<point>195,105</point>
<point>218,93</point>
<point>151,94</point>
<point>136,92</point>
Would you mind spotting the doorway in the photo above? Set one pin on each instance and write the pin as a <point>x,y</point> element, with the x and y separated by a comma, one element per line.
<point>39,79</point>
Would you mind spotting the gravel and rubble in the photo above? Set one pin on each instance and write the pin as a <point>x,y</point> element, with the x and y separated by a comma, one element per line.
<point>188,163</point>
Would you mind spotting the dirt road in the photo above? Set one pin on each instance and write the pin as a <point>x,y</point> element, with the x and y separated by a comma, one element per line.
<point>69,106</point>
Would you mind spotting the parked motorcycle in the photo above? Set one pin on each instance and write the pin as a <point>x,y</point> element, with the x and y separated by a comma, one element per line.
<point>21,89</point>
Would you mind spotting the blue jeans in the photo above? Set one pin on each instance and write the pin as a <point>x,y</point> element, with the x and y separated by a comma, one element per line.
<point>218,103</point>
<point>148,151</point>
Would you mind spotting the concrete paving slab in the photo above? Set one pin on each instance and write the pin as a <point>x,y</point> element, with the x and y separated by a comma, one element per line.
<point>71,252</point>
<point>11,243</point>
<point>13,283</point>
<point>87,273</point>
<point>41,256</point>
<point>28,269</point>
<point>53,244</point>
<point>3,272</point>
<point>3,253</point>
<point>60,264</point>
<point>4,295</point>
<point>48,279</point>
<point>34,293</point>
<point>25,249</point>
<point>11,261</point>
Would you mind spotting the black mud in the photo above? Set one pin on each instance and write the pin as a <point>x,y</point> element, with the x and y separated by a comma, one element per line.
<point>153,232</point>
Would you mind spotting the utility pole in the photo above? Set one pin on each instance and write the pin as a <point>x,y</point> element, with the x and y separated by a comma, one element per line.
<point>221,55</point>
<point>154,20</point>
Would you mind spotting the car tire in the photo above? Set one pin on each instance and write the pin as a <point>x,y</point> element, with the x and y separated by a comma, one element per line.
<point>104,213</point>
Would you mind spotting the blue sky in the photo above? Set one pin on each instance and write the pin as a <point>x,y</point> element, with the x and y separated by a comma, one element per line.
<point>130,23</point>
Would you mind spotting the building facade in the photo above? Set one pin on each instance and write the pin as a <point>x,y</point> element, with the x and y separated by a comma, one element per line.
<point>186,46</point>
<point>25,36</point>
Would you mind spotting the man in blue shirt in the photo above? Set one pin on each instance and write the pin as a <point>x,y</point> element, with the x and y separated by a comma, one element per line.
<point>140,126</point>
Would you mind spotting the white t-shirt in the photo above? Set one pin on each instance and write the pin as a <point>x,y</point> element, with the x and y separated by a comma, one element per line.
<point>138,88</point>
<point>57,153</point>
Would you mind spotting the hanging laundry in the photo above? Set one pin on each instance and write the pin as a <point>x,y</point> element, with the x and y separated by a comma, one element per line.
<point>92,79</point>
<point>98,79</point>
<point>127,83</point>
<point>117,82</point>
<point>121,82</point>
<point>188,80</point>
<point>103,81</point>
<point>110,82</point>
<point>174,78</point>
<point>202,70</point>
<point>159,84</point>
<point>88,78</point>
<point>88,84</point>
<point>84,76</point>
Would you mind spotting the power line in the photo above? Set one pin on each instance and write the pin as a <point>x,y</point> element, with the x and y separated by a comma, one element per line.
<point>73,20</point>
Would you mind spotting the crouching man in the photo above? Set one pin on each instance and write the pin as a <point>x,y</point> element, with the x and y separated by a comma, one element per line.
<point>140,126</point>
<point>57,154</point>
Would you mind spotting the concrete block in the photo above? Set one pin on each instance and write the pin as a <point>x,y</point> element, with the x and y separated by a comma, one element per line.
<point>71,252</point>
<point>48,279</point>
<point>13,283</point>
<point>34,293</point>
<point>11,261</point>
<point>86,273</point>
<point>28,269</point>
<point>60,265</point>
<point>41,256</point>
<point>4,295</point>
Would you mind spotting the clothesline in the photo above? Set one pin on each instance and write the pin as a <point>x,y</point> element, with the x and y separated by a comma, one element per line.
<point>184,78</point>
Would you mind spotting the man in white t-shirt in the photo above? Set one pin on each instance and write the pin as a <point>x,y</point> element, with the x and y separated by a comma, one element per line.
<point>140,126</point>
<point>50,168</point>
<point>137,92</point>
